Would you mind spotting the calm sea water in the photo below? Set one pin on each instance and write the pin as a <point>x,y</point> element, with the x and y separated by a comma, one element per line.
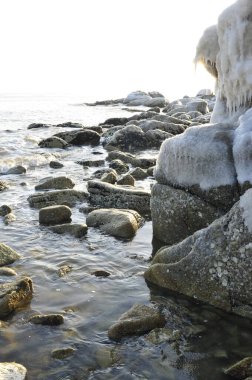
<point>89,304</point>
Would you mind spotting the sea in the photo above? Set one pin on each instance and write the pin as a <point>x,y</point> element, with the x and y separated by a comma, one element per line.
<point>89,304</point>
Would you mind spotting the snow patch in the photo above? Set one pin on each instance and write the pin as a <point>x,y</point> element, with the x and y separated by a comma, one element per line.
<point>246,206</point>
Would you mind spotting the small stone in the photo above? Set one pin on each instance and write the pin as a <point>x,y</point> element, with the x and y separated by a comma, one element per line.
<point>109,178</point>
<point>126,179</point>
<point>4,210</point>
<point>63,353</point>
<point>54,215</point>
<point>100,273</point>
<point>7,255</point>
<point>9,218</point>
<point>5,271</point>
<point>139,173</point>
<point>119,166</point>
<point>64,269</point>
<point>47,319</point>
<point>55,165</point>
<point>16,170</point>
<point>53,142</point>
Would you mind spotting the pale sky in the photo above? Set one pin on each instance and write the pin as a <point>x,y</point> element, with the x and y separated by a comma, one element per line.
<point>102,49</point>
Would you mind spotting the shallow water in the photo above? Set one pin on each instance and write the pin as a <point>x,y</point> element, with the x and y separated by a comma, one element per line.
<point>90,304</point>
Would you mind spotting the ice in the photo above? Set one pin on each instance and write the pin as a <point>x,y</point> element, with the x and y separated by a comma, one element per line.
<point>246,206</point>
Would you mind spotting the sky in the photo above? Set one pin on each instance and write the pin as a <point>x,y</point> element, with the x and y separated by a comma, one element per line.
<point>103,49</point>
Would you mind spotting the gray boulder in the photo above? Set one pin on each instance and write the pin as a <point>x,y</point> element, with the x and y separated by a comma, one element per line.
<point>119,166</point>
<point>15,295</point>
<point>126,179</point>
<point>53,142</point>
<point>136,321</point>
<point>67,197</point>
<point>80,137</point>
<point>55,183</point>
<point>119,223</point>
<point>7,255</point>
<point>55,165</point>
<point>109,177</point>
<point>214,264</point>
<point>138,173</point>
<point>55,215</point>
<point>12,371</point>
<point>106,195</point>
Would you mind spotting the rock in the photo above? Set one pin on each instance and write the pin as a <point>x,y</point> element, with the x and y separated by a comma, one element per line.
<point>138,320</point>
<point>53,142</point>
<point>80,137</point>
<point>128,158</point>
<point>241,369</point>
<point>100,273</point>
<point>152,124</point>
<point>63,353</point>
<point>100,172</point>
<point>177,214</point>
<point>3,185</point>
<point>198,105</point>
<point>91,163</point>
<point>55,165</point>
<point>119,166</point>
<point>39,125</point>
<point>16,170</point>
<point>9,218</point>
<point>67,197</point>
<point>115,121</point>
<point>55,183</point>
<point>15,295</point>
<point>5,271</point>
<point>7,255</point>
<point>126,179</point>
<point>155,102</point>
<point>137,98</point>
<point>213,264</point>
<point>163,335</point>
<point>76,230</point>
<point>138,173</point>
<point>110,196</point>
<point>109,177</point>
<point>70,124</point>
<point>119,223</point>
<point>4,210</point>
<point>55,215</point>
<point>64,269</point>
<point>150,171</point>
<point>12,371</point>
<point>47,319</point>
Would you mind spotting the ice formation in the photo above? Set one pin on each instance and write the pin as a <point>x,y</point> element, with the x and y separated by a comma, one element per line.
<point>233,52</point>
<point>246,206</point>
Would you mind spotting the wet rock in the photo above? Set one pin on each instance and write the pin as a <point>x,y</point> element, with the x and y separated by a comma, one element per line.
<point>199,105</point>
<point>129,158</point>
<point>5,271</point>
<point>7,255</point>
<point>47,319</point>
<point>15,295</point>
<point>100,172</point>
<point>119,223</point>
<point>100,273</point>
<point>53,142</point>
<point>67,197</point>
<point>54,215</point>
<point>9,218</point>
<point>212,265</point>
<point>4,210</point>
<point>111,196</point>
<point>55,183</point>
<point>150,125</point>
<point>162,335</point>
<point>63,353</point>
<point>80,137</point>
<point>91,163</point>
<point>3,185</point>
<point>240,370</point>
<point>109,177</point>
<point>119,166</point>
<point>70,124</point>
<point>126,179</point>
<point>12,371</point>
<point>39,125</point>
<point>138,173</point>
<point>115,121</point>
<point>16,170</point>
<point>64,270</point>
<point>138,320</point>
<point>55,165</point>
<point>177,214</point>
<point>150,171</point>
<point>76,230</point>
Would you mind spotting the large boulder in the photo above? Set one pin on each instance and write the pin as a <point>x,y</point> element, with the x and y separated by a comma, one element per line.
<point>119,223</point>
<point>214,264</point>
<point>106,195</point>
<point>80,137</point>
<point>67,197</point>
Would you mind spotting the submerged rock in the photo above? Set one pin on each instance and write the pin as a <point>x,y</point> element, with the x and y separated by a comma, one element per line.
<point>5,271</point>
<point>119,223</point>
<point>4,210</point>
<point>54,215</point>
<point>55,183</point>
<point>111,196</point>
<point>240,370</point>
<point>47,319</point>
<point>3,185</point>
<point>76,230</point>
<point>213,265</point>
<point>9,218</point>
<point>16,170</point>
<point>12,371</point>
<point>136,321</point>
<point>100,273</point>
<point>7,255</point>
<point>55,165</point>
<point>63,353</point>
<point>67,197</point>
<point>15,295</point>
<point>53,142</point>
<point>80,137</point>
